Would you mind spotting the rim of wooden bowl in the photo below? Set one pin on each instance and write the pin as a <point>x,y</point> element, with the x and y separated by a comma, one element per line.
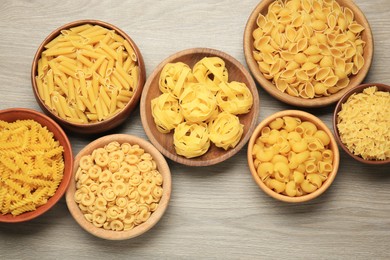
<point>267,85</point>
<point>162,167</point>
<point>214,155</point>
<point>333,146</point>
<point>105,125</point>
<point>344,98</point>
<point>13,114</point>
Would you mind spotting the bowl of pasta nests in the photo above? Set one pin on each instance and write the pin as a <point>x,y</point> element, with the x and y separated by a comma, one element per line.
<point>293,156</point>
<point>199,106</point>
<point>361,123</point>
<point>308,53</point>
<point>36,163</point>
<point>88,76</point>
<point>120,187</point>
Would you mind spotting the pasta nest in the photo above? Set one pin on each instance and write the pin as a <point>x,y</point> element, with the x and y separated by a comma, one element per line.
<point>191,140</point>
<point>174,78</point>
<point>234,97</point>
<point>212,71</point>
<point>166,112</point>
<point>226,130</point>
<point>197,103</point>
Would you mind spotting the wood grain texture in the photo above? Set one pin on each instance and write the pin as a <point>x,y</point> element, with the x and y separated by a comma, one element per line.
<point>215,211</point>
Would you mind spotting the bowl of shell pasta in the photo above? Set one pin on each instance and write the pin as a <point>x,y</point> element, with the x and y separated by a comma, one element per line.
<point>120,187</point>
<point>293,156</point>
<point>308,53</point>
<point>88,76</point>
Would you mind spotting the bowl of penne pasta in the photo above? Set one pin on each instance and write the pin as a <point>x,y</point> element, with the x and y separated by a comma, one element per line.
<point>88,75</point>
<point>293,156</point>
<point>36,164</point>
<point>361,123</point>
<point>199,106</point>
<point>308,53</point>
<point>120,187</point>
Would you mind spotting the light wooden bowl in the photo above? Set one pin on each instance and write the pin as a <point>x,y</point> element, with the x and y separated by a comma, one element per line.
<point>332,146</point>
<point>355,90</point>
<point>267,85</point>
<point>164,142</point>
<point>162,167</point>
<point>111,122</point>
<point>13,114</point>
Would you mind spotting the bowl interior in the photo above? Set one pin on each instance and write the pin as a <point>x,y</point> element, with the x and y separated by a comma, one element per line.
<point>163,168</point>
<point>304,116</point>
<point>13,114</point>
<point>267,85</point>
<point>164,142</point>
<point>111,122</point>
<point>357,89</point>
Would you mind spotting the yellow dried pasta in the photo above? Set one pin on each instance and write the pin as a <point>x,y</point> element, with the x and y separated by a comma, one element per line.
<point>308,49</point>
<point>31,166</point>
<point>193,101</point>
<point>90,79</point>
<point>292,157</point>
<point>364,124</point>
<point>122,198</point>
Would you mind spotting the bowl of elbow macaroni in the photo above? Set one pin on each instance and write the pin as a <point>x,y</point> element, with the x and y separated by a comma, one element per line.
<point>308,53</point>
<point>120,187</point>
<point>293,156</point>
<point>36,164</point>
<point>199,106</point>
<point>88,76</point>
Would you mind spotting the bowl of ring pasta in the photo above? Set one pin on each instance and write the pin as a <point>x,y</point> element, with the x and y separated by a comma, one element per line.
<point>199,106</point>
<point>88,76</point>
<point>36,164</point>
<point>293,156</point>
<point>308,53</point>
<point>120,187</point>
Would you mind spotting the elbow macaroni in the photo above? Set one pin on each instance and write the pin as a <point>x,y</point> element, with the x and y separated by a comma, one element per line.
<point>298,162</point>
<point>120,197</point>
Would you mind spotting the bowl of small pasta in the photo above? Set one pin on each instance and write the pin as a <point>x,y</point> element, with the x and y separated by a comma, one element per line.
<point>293,156</point>
<point>308,53</point>
<point>36,164</point>
<point>120,187</point>
<point>199,106</point>
<point>361,123</point>
<point>88,76</point>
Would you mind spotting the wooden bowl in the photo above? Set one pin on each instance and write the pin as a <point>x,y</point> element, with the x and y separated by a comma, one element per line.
<point>162,167</point>
<point>304,116</point>
<point>109,123</point>
<point>13,114</point>
<point>267,85</point>
<point>164,142</point>
<point>357,89</point>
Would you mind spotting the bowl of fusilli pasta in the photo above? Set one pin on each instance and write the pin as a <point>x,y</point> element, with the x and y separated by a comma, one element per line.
<point>36,164</point>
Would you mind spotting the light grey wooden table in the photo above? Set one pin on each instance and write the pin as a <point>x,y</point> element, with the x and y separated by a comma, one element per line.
<point>218,211</point>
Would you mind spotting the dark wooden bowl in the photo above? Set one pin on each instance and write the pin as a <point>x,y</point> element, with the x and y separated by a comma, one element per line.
<point>164,142</point>
<point>105,125</point>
